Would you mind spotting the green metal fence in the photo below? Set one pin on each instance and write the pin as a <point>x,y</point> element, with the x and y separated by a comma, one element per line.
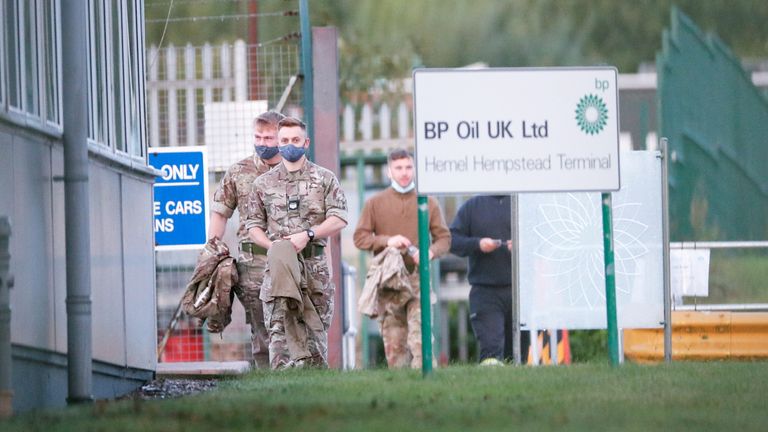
<point>717,125</point>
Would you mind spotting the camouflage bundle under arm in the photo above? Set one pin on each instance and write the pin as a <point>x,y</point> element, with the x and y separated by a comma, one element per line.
<point>209,291</point>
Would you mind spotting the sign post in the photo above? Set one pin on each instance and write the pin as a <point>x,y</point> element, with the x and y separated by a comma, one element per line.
<point>610,281</point>
<point>180,197</point>
<point>503,131</point>
<point>424,284</point>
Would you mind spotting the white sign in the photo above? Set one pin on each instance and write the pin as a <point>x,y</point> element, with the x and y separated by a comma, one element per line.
<point>562,271</point>
<point>689,272</point>
<point>516,130</point>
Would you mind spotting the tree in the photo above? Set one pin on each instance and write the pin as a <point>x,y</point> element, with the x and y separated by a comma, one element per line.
<point>381,40</point>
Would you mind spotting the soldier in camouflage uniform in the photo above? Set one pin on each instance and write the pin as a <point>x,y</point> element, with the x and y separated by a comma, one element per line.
<point>232,194</point>
<point>390,219</point>
<point>302,204</point>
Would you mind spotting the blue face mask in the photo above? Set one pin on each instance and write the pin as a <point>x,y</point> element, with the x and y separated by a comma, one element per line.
<point>265,152</point>
<point>291,153</point>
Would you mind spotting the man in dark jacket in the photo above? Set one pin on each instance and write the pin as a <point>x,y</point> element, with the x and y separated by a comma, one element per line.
<point>481,231</point>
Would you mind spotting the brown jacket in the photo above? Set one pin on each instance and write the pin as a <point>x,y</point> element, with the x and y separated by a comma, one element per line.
<point>389,213</point>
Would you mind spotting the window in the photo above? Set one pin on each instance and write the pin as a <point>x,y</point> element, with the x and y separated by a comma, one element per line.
<point>135,82</point>
<point>12,53</point>
<point>97,89</point>
<point>51,49</point>
<point>31,67</point>
<point>117,83</point>
<point>30,82</point>
<point>2,55</point>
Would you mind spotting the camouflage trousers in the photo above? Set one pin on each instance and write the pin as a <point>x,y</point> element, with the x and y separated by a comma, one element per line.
<point>401,327</point>
<point>293,339</point>
<point>250,269</point>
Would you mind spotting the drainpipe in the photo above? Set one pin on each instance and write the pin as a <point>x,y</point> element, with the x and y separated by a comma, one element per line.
<point>6,282</point>
<point>76,200</point>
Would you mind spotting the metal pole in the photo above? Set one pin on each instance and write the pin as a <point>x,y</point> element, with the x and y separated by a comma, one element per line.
<point>253,50</point>
<point>444,354</point>
<point>719,245</point>
<point>461,331</point>
<point>610,281</point>
<point>76,200</point>
<point>436,312</point>
<point>361,261</point>
<point>6,359</point>
<point>426,319</point>
<point>515,231</point>
<point>306,68</point>
<point>665,250</point>
<point>325,134</point>
<point>553,346</point>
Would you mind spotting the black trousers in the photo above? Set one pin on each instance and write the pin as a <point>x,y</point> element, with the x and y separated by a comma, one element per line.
<point>490,311</point>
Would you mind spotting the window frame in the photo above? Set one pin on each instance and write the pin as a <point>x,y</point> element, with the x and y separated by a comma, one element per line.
<point>135,96</point>
<point>49,49</point>
<point>13,87</point>
<point>30,66</point>
<point>2,57</point>
<point>31,54</point>
<point>117,82</point>
<point>99,127</point>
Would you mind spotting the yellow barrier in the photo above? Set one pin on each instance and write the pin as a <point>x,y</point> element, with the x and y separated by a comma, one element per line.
<point>703,336</point>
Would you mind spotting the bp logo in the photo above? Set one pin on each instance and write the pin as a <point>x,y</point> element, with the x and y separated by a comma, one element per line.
<point>591,114</point>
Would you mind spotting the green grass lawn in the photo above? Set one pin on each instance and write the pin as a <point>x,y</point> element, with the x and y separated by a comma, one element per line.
<point>594,397</point>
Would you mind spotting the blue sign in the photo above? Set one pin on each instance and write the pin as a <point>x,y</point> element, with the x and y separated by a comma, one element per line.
<point>179,207</point>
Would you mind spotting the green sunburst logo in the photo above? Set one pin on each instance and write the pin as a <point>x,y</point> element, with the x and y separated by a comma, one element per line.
<point>591,114</point>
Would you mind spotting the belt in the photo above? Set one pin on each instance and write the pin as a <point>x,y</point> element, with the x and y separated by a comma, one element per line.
<point>253,248</point>
<point>312,250</point>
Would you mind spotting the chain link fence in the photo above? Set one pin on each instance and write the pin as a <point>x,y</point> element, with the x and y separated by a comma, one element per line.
<point>208,96</point>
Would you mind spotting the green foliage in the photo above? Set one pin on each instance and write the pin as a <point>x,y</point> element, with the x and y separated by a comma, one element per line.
<point>454,316</point>
<point>588,345</point>
<point>680,396</point>
<point>384,40</point>
<point>191,26</point>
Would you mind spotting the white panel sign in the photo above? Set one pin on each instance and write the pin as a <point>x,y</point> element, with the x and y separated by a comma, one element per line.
<point>562,271</point>
<point>516,130</point>
<point>689,272</point>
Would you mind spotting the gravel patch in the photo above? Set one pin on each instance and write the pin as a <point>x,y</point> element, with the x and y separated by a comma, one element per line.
<point>168,388</point>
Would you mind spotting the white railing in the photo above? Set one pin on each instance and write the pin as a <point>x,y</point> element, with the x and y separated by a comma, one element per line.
<point>369,127</point>
<point>194,77</point>
<point>182,81</point>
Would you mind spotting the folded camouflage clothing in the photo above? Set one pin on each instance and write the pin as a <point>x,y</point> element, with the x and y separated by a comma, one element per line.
<point>209,292</point>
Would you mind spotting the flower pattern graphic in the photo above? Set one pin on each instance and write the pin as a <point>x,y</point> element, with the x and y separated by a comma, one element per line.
<point>572,256</point>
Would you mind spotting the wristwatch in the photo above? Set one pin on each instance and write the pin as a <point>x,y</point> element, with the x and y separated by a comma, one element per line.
<point>310,234</point>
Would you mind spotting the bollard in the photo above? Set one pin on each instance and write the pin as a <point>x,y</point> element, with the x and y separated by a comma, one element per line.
<point>6,281</point>
<point>350,313</point>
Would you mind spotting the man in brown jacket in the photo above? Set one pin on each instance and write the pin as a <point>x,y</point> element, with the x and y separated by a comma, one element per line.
<point>390,219</point>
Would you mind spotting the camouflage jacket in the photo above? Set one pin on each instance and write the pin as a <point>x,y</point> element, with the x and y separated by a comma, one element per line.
<point>234,189</point>
<point>209,291</point>
<point>284,203</point>
<point>387,271</point>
